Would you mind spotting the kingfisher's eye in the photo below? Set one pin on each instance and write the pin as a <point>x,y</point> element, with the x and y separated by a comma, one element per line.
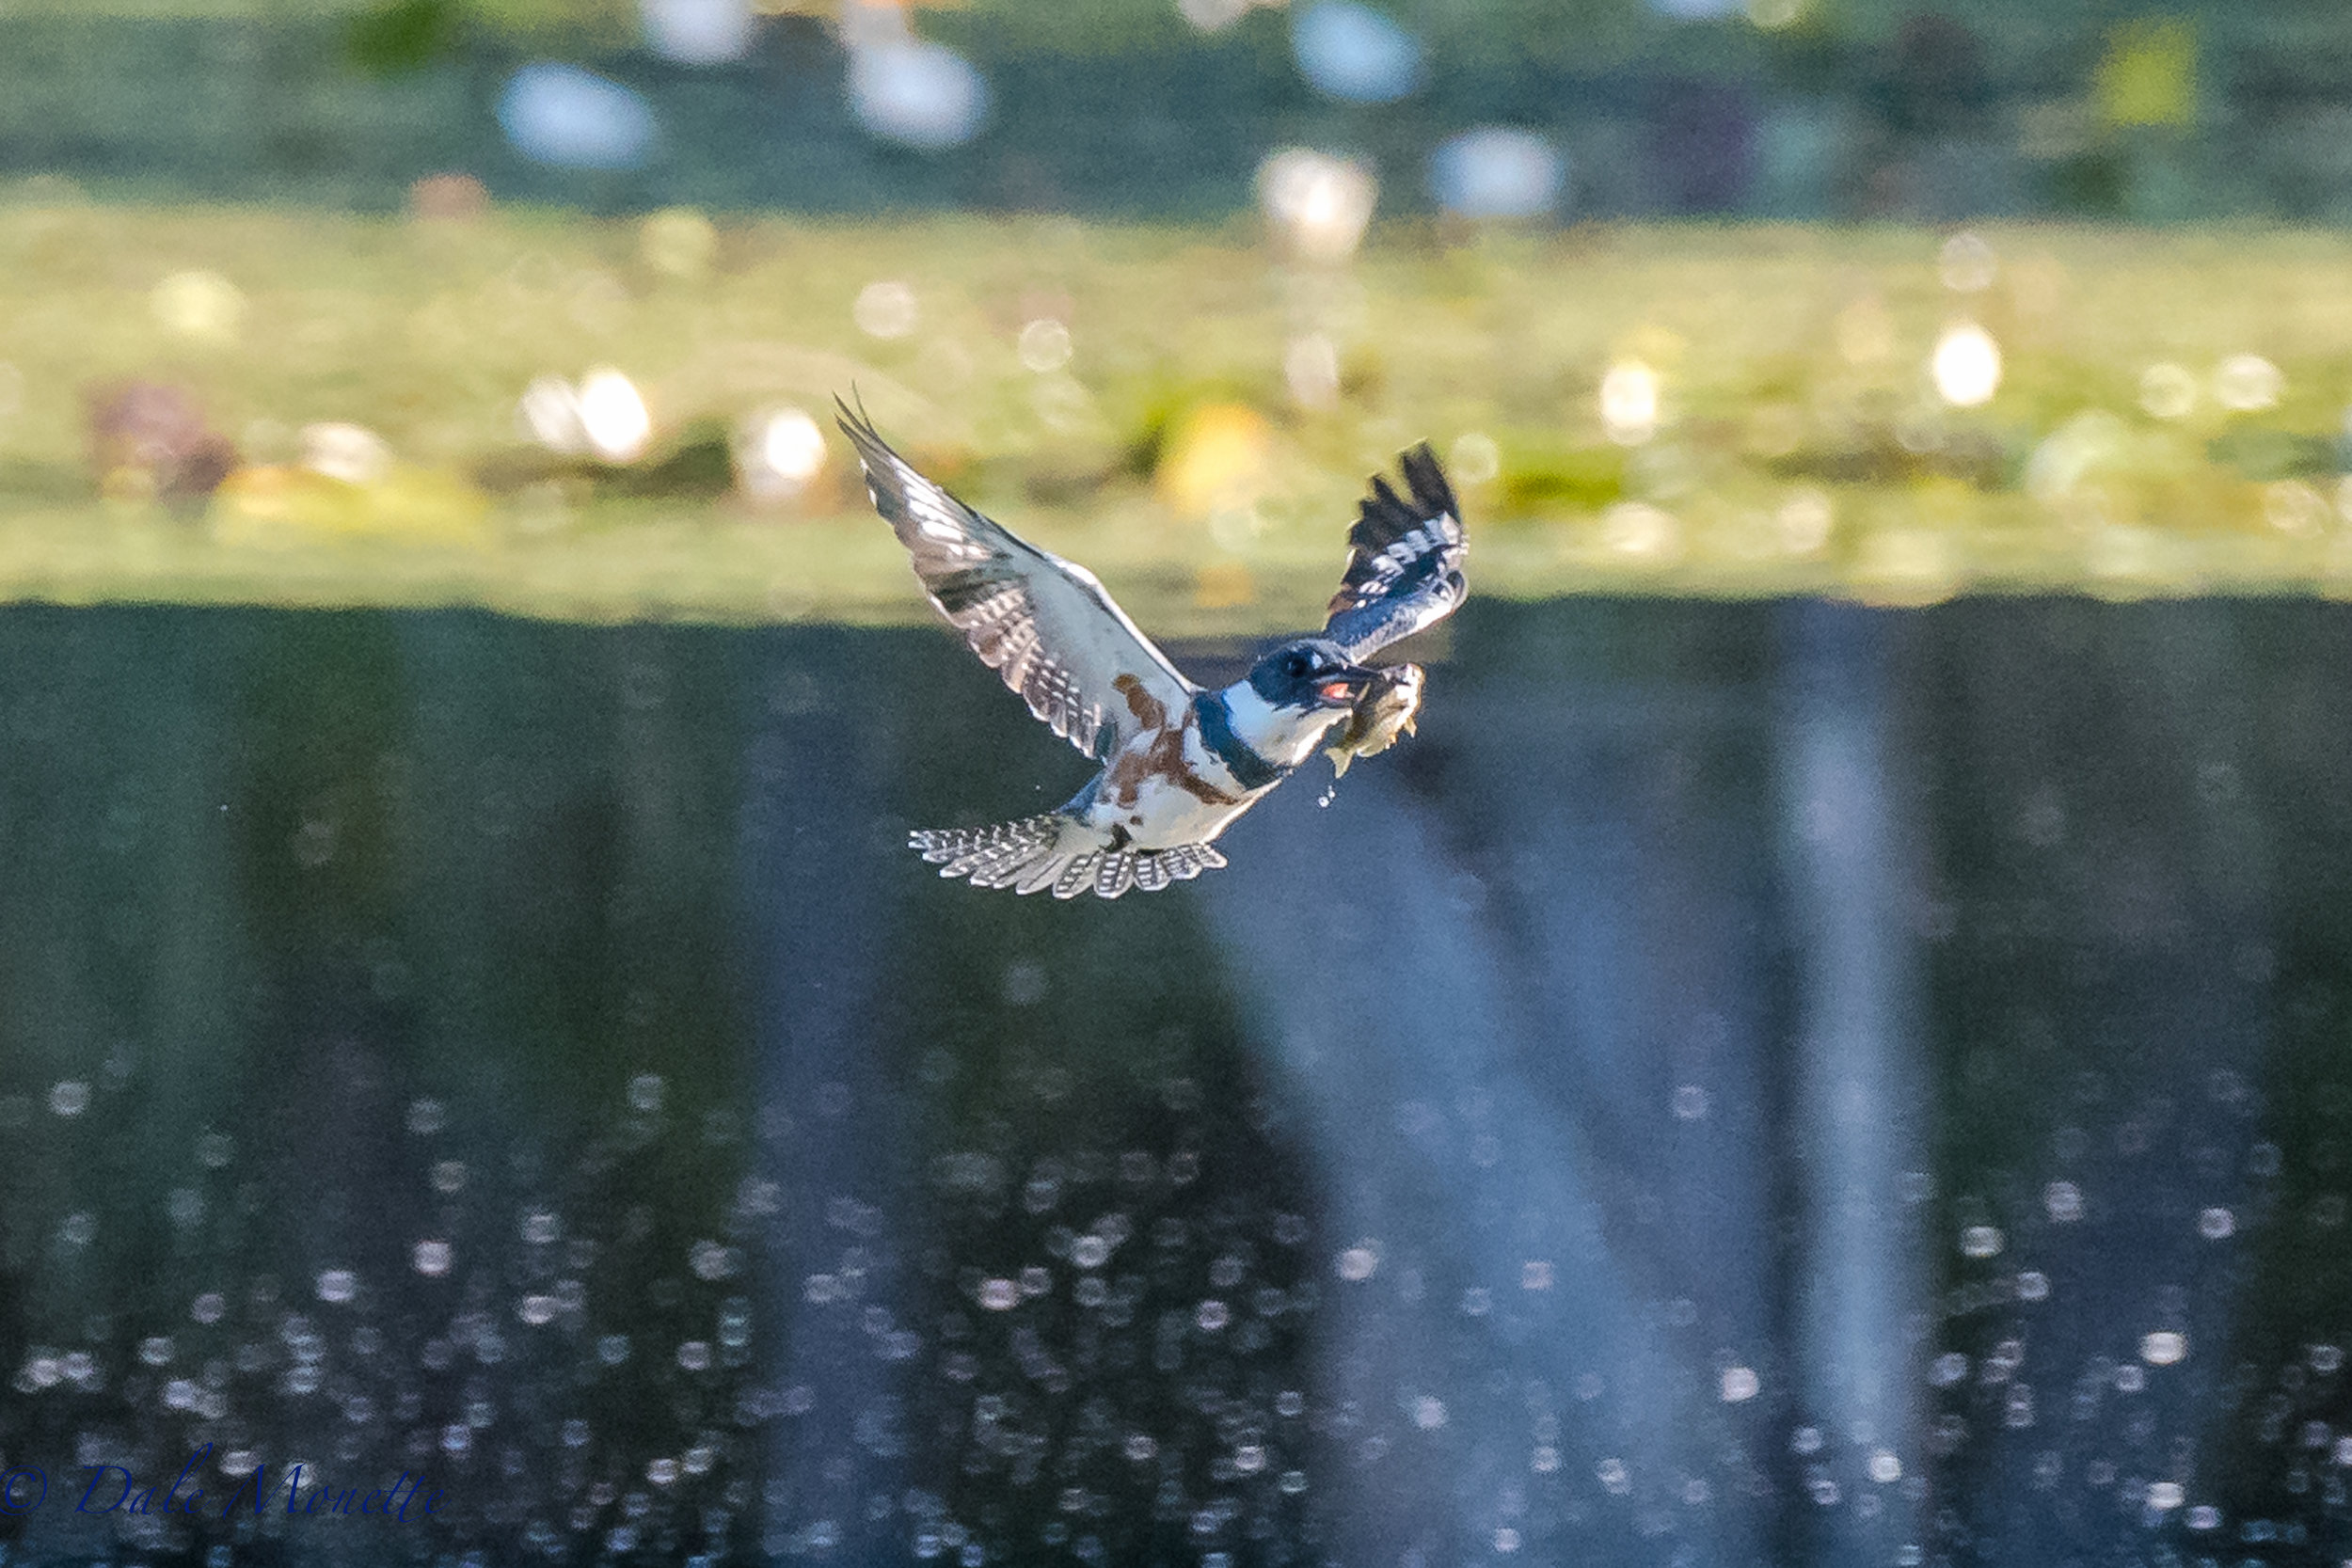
<point>1300,666</point>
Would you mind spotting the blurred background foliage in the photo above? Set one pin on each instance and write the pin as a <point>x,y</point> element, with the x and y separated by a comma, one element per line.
<point>360,282</point>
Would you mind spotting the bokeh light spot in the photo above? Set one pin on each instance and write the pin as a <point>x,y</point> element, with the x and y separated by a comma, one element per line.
<point>1497,172</point>
<point>1967,366</point>
<point>203,306</point>
<point>563,116</point>
<point>1983,1241</point>
<point>887,309</point>
<point>678,242</point>
<point>1044,345</point>
<point>1966,263</point>
<point>614,416</point>
<point>1628,403</point>
<point>1318,205</point>
<point>925,95</point>
<point>697,32</point>
<point>2246,383</point>
<point>1355,53</point>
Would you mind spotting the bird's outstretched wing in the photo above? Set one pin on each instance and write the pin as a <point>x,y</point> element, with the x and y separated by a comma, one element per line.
<point>1043,624</point>
<point>1404,561</point>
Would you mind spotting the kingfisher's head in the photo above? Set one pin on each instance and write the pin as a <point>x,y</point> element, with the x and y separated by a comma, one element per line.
<point>1310,675</point>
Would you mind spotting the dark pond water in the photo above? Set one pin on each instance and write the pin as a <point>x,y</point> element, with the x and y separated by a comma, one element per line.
<point>1748,1085</point>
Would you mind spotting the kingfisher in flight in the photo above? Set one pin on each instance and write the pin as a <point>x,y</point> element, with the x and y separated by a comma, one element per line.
<point>1179,763</point>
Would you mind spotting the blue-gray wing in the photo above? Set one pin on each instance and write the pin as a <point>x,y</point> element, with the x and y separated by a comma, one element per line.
<point>1043,624</point>
<point>1404,561</point>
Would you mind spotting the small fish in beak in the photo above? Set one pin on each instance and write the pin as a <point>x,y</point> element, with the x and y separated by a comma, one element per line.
<point>1384,712</point>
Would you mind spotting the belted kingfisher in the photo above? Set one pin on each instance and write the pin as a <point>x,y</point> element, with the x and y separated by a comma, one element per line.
<point>1179,763</point>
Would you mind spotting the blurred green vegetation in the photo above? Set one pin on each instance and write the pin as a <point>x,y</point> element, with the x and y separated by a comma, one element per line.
<point>1799,446</point>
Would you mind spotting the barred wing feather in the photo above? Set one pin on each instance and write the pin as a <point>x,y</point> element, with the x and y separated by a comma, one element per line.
<point>1043,624</point>
<point>1403,563</point>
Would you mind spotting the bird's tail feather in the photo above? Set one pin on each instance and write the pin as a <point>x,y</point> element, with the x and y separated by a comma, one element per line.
<point>1057,852</point>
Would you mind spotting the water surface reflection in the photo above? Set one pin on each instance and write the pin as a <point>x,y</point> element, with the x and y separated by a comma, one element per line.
<point>1748,1084</point>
